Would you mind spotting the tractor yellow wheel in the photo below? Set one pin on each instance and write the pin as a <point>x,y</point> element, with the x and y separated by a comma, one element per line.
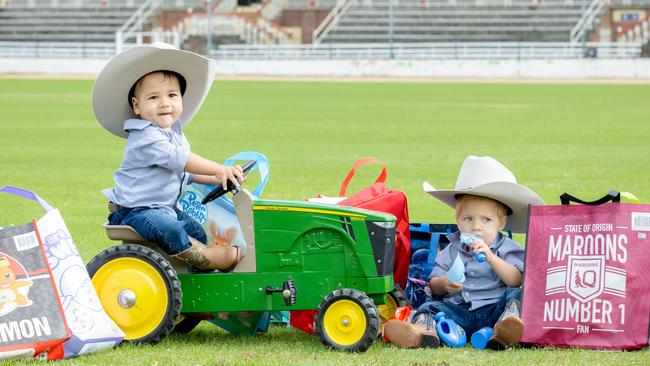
<point>344,322</point>
<point>138,289</point>
<point>347,319</point>
<point>395,299</point>
<point>387,310</point>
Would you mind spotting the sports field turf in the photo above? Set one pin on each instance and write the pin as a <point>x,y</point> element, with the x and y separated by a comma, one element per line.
<point>582,139</point>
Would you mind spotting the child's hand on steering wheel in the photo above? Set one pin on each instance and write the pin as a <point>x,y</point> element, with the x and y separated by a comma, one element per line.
<point>234,174</point>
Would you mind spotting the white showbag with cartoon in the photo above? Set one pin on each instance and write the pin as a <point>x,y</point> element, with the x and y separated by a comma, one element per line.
<point>90,327</point>
<point>586,278</point>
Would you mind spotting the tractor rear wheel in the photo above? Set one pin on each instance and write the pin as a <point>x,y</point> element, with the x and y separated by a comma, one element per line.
<point>396,298</point>
<point>348,320</point>
<point>186,324</point>
<point>139,290</point>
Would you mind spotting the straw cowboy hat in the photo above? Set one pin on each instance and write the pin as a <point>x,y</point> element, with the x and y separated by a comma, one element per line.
<point>484,176</point>
<point>111,90</point>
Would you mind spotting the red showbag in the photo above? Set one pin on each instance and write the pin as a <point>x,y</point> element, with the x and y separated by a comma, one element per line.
<point>586,276</point>
<point>378,197</point>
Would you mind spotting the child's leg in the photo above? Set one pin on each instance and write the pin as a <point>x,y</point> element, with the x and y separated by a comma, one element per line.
<point>507,297</point>
<point>509,327</point>
<point>164,228</point>
<point>159,226</point>
<point>192,227</point>
<point>468,320</point>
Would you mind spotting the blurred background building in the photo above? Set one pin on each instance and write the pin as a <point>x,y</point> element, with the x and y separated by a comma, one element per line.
<point>330,29</point>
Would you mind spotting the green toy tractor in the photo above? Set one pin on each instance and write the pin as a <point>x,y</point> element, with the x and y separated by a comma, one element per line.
<point>300,256</point>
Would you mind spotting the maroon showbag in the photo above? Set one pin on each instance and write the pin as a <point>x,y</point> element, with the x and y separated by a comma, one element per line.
<point>587,278</point>
<point>378,197</point>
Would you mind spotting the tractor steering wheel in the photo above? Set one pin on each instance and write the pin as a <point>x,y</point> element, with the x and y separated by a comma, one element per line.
<point>219,191</point>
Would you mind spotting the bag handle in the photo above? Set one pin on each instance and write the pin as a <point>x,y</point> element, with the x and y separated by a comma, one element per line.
<point>29,195</point>
<point>362,161</point>
<point>613,195</point>
<point>262,165</point>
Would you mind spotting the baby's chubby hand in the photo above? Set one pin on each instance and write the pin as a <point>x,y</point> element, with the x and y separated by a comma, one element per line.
<point>480,246</point>
<point>234,174</point>
<point>452,286</point>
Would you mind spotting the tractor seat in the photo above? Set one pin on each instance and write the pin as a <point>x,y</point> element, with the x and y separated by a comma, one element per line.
<point>124,233</point>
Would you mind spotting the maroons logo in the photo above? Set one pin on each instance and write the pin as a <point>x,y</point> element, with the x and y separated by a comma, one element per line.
<point>585,275</point>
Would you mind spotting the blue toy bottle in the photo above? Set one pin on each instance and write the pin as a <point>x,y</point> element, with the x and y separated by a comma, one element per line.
<point>467,239</point>
<point>481,337</point>
<point>449,331</point>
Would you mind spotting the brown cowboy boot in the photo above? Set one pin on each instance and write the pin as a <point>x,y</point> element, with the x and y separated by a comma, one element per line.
<point>419,334</point>
<point>508,329</point>
<point>212,258</point>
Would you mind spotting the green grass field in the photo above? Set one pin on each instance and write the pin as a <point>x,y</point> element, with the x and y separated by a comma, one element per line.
<point>581,139</point>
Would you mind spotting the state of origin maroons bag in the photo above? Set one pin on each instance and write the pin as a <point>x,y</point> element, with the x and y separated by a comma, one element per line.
<point>587,274</point>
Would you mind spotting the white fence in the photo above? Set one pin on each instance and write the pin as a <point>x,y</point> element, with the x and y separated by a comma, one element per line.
<point>430,51</point>
<point>418,51</point>
<point>56,50</point>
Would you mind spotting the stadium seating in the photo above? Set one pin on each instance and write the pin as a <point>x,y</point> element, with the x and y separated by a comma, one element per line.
<point>62,24</point>
<point>456,24</point>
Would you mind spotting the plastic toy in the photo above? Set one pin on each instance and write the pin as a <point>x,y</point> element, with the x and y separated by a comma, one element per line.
<point>467,239</point>
<point>456,272</point>
<point>301,256</point>
<point>449,331</point>
<point>481,337</point>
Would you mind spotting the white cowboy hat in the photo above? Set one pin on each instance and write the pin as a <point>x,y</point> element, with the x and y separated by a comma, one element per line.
<point>486,177</point>
<point>111,90</point>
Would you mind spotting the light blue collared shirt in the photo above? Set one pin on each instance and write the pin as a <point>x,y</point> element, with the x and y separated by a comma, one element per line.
<point>152,173</point>
<point>482,285</point>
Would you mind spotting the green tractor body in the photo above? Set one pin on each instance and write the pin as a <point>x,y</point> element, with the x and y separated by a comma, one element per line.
<point>335,260</point>
<point>319,247</point>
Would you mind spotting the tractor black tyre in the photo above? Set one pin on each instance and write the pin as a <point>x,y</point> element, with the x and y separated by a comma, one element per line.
<point>144,276</point>
<point>348,320</point>
<point>399,296</point>
<point>186,325</point>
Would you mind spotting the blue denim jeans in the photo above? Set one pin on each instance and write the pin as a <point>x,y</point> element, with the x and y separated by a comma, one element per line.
<point>473,320</point>
<point>161,226</point>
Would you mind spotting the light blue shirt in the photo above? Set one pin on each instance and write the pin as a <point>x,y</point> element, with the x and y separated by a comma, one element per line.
<point>152,173</point>
<point>482,285</point>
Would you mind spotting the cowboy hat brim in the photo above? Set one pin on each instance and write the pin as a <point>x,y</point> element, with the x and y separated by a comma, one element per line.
<point>110,92</point>
<point>513,195</point>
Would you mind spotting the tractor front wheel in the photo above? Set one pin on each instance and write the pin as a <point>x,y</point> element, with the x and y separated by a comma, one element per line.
<point>139,290</point>
<point>348,320</point>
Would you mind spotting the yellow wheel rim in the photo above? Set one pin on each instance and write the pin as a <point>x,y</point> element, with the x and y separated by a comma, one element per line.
<point>387,310</point>
<point>133,294</point>
<point>345,322</point>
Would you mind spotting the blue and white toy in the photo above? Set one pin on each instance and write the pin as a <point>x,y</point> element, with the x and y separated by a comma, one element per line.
<point>449,331</point>
<point>467,239</point>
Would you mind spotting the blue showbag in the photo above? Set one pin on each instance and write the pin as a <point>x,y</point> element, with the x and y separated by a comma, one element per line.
<point>218,217</point>
<point>426,241</point>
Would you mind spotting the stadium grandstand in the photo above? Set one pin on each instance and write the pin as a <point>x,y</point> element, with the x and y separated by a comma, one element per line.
<point>329,29</point>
